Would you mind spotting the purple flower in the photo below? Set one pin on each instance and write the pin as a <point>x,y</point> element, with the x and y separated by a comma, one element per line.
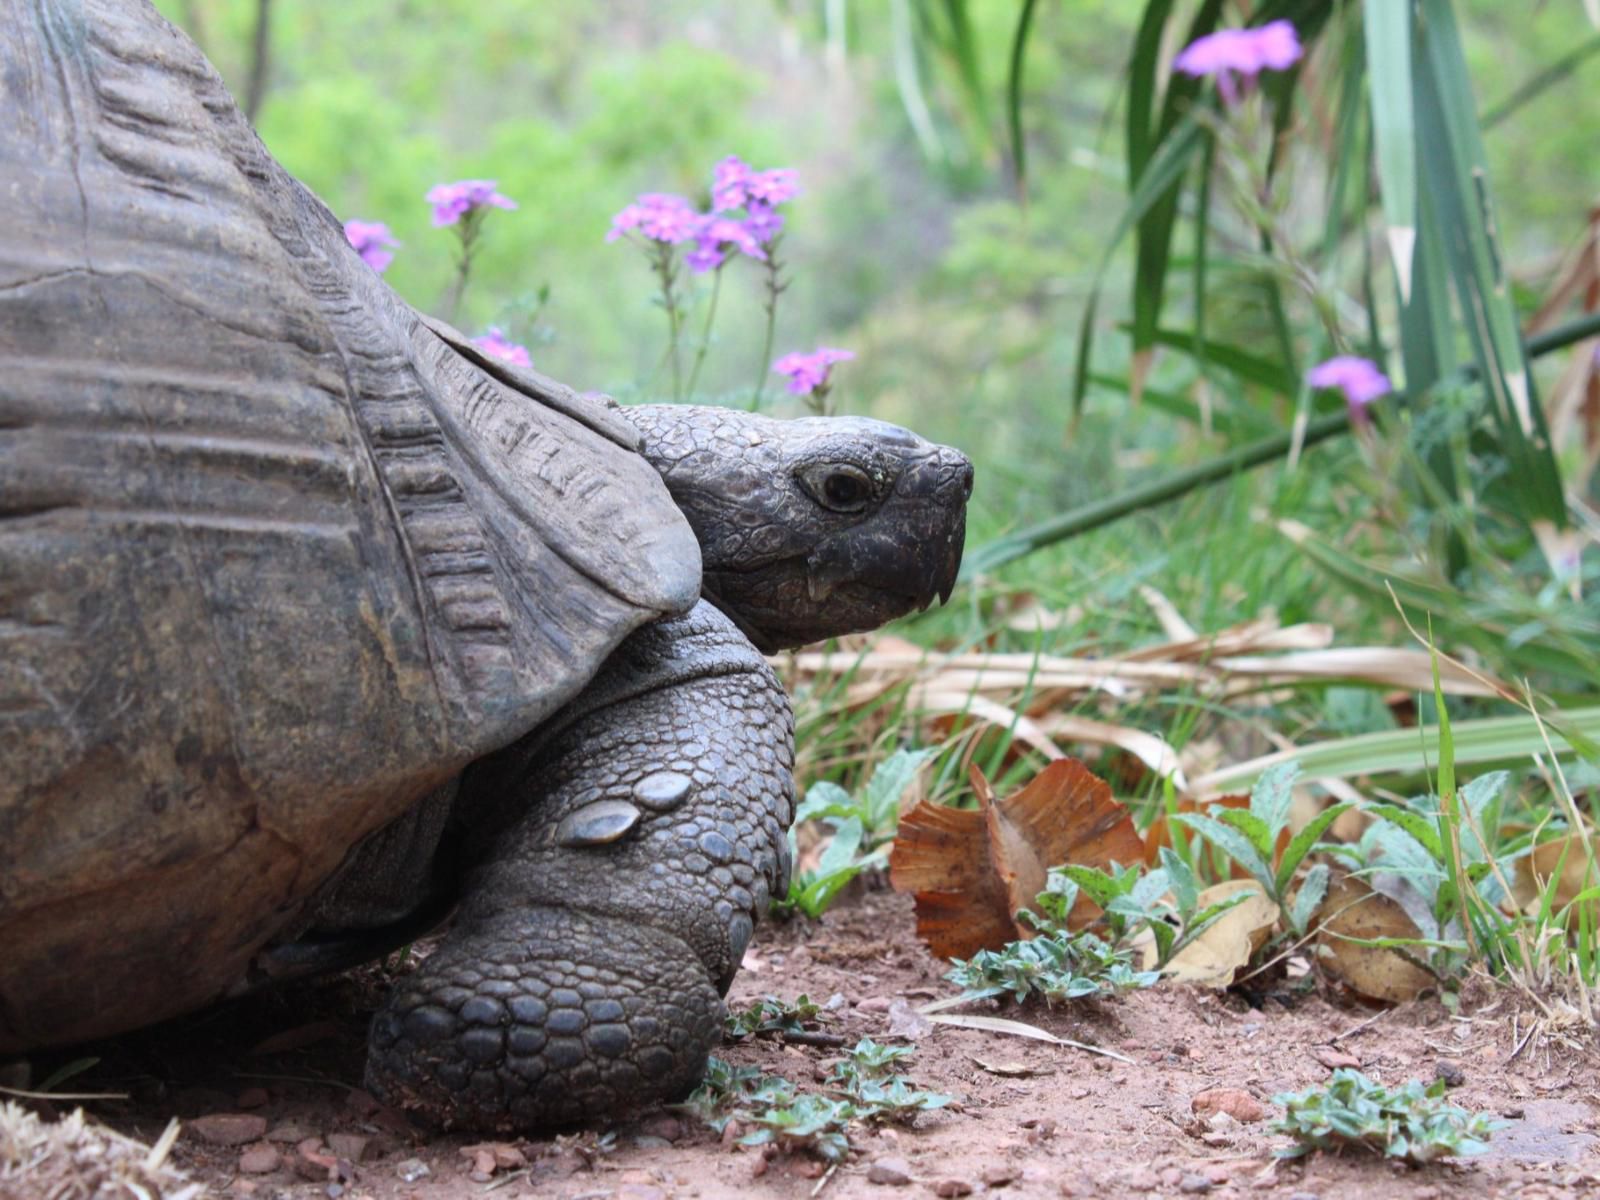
<point>762,222</point>
<point>714,235</point>
<point>1358,378</point>
<point>495,344</point>
<point>659,216</point>
<point>735,184</point>
<point>808,372</point>
<point>729,182</point>
<point>1246,52</point>
<point>369,239</point>
<point>777,186</point>
<point>452,201</point>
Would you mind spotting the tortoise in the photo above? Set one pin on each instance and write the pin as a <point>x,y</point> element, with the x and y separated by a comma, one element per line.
<point>318,625</point>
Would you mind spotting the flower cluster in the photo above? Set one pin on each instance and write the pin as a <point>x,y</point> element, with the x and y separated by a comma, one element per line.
<point>370,239</point>
<point>1243,52</point>
<point>453,201</point>
<point>671,220</point>
<point>495,344</point>
<point>1358,378</point>
<point>808,373</point>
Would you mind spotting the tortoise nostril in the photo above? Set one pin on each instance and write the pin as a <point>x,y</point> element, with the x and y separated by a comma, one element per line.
<point>966,482</point>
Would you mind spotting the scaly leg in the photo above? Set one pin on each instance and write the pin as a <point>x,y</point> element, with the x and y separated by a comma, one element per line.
<point>584,972</point>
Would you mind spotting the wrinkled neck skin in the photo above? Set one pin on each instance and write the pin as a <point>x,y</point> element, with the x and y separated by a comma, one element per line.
<point>812,527</point>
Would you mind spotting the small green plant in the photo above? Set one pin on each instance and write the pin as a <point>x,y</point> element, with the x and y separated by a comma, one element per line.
<point>1057,964</point>
<point>1165,901</point>
<point>1412,1122</point>
<point>771,1015</point>
<point>1249,836</point>
<point>865,1087</point>
<point>863,825</point>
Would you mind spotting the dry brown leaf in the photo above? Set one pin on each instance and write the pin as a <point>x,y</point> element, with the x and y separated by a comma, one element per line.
<point>1215,957</point>
<point>1536,870</point>
<point>971,870</point>
<point>1353,910</point>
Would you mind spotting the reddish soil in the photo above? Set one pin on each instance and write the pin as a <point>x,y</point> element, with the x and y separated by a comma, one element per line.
<point>1033,1119</point>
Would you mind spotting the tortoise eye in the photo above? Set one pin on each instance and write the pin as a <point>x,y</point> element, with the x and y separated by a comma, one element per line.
<point>838,486</point>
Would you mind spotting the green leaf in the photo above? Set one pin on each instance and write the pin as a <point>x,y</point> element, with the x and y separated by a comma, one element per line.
<point>1387,26</point>
<point>1313,889</point>
<point>1300,845</point>
<point>1273,796</point>
<point>1019,47</point>
<point>1423,829</point>
<point>888,785</point>
<point>1185,887</point>
<point>1252,826</point>
<point>1231,842</point>
<point>825,799</point>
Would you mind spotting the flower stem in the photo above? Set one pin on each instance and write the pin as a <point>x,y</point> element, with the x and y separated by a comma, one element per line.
<point>774,290</point>
<point>665,272</point>
<point>705,333</point>
<point>467,230</point>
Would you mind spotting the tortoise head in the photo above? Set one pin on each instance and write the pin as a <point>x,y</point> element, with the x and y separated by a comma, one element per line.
<point>813,527</point>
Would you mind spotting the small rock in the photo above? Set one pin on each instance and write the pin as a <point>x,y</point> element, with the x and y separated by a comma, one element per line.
<point>896,1172</point>
<point>1000,1176</point>
<point>252,1097</point>
<point>758,1168</point>
<point>1194,1185</point>
<point>260,1159</point>
<point>411,1170</point>
<point>649,1141</point>
<point>662,1125</point>
<point>311,1162</point>
<point>907,1022</point>
<point>1425,1193</point>
<point>1143,1180</point>
<point>349,1146</point>
<point>290,1131</point>
<point>1236,1102</point>
<point>1333,1058</point>
<point>229,1129</point>
<point>1102,1064</point>
<point>361,1102</point>
<point>952,1187</point>
<point>1171,1176</point>
<point>1450,1072</point>
<point>874,1004</point>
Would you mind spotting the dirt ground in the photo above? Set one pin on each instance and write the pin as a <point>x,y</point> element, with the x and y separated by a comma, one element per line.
<point>269,1092</point>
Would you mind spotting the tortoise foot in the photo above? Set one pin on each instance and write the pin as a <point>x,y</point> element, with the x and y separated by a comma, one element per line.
<point>548,1018</point>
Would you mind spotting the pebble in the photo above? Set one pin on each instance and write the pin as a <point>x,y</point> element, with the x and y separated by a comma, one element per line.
<point>260,1159</point>
<point>1450,1072</point>
<point>229,1129</point>
<point>874,1004</point>
<point>662,1125</point>
<point>891,1170</point>
<point>411,1170</point>
<point>1000,1176</point>
<point>649,1141</point>
<point>1194,1185</point>
<point>1236,1102</point>
<point>952,1187</point>
<point>1143,1180</point>
<point>349,1146</point>
<point>290,1131</point>
<point>1333,1058</point>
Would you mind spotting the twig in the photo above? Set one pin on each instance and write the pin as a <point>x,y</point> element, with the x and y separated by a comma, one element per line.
<point>808,1037</point>
<point>823,1182</point>
<point>27,1095</point>
<point>1355,1029</point>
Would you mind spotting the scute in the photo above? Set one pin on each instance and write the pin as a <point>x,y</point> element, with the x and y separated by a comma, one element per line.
<point>275,557</point>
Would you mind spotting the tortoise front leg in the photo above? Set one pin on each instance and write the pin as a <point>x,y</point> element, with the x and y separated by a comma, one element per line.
<point>584,972</point>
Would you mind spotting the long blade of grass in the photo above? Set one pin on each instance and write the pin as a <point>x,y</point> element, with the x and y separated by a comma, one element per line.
<point>1409,751</point>
<point>1535,86</point>
<point>1019,50</point>
<point>1454,162</point>
<point>1387,28</point>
